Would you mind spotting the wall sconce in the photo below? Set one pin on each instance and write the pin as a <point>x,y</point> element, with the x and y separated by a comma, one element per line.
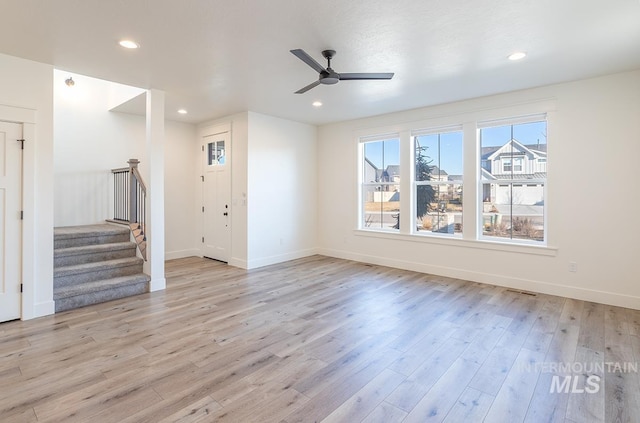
<point>70,82</point>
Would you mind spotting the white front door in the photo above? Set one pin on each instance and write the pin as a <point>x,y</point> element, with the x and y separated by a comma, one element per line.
<point>10,220</point>
<point>216,194</point>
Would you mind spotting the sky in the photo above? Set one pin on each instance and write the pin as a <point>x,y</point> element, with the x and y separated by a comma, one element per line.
<point>449,145</point>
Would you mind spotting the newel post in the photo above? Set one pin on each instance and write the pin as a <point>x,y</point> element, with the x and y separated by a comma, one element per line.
<point>133,198</point>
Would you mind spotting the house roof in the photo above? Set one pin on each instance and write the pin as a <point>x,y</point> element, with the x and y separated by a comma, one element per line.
<point>393,170</point>
<point>216,58</point>
<point>370,163</point>
<point>487,152</point>
<point>435,170</point>
<point>388,173</point>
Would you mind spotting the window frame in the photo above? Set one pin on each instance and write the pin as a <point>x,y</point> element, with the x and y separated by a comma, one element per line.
<point>517,163</point>
<point>507,165</point>
<point>414,135</point>
<point>363,184</point>
<point>216,153</point>
<point>511,182</point>
<point>472,120</point>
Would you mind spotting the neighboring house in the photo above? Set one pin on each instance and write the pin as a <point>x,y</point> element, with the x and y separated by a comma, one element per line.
<point>370,171</point>
<point>511,161</point>
<point>373,174</point>
<point>448,192</point>
<point>390,174</point>
<point>438,174</point>
<point>514,161</point>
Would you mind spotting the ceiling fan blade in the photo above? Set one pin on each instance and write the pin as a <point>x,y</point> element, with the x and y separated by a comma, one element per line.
<point>308,87</point>
<point>352,76</point>
<point>302,55</point>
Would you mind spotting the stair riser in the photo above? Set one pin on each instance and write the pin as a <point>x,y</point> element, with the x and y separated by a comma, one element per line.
<point>93,257</point>
<point>100,296</point>
<point>96,275</point>
<point>90,240</point>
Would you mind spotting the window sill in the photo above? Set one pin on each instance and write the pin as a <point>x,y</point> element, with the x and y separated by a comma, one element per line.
<point>483,244</point>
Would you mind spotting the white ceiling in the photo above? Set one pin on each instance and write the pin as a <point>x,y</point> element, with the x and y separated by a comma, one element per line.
<point>218,57</point>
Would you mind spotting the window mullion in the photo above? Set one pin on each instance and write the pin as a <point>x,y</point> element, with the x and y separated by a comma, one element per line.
<point>471,204</point>
<point>407,210</point>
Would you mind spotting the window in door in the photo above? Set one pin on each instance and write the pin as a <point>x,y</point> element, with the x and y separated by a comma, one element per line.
<point>216,155</point>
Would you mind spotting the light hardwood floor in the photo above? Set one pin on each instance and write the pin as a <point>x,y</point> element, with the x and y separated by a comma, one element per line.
<point>320,339</point>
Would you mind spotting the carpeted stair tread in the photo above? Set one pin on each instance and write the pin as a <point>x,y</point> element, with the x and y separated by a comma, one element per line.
<point>75,236</point>
<point>97,266</point>
<point>71,256</point>
<point>93,248</point>
<point>65,232</point>
<point>101,285</point>
<point>82,249</point>
<point>72,297</point>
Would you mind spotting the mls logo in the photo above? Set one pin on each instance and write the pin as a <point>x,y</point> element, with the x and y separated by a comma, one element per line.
<point>571,384</point>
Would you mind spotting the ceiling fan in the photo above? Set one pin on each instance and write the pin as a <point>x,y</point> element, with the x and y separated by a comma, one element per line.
<point>328,76</point>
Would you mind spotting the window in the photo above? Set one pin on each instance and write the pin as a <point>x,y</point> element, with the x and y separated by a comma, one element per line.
<point>513,199</point>
<point>506,165</point>
<point>542,164</point>
<point>517,164</point>
<point>215,153</point>
<point>380,187</point>
<point>511,164</point>
<point>504,169</point>
<point>438,182</point>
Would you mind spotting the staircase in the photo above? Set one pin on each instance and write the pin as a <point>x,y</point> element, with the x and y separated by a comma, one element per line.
<point>94,264</point>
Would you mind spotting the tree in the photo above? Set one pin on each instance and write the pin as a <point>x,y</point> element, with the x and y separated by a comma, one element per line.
<point>425,195</point>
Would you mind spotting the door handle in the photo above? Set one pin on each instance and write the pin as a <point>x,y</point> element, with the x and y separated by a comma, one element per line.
<point>225,214</point>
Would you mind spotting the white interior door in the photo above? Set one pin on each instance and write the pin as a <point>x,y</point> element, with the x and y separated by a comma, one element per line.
<point>216,186</point>
<point>10,220</point>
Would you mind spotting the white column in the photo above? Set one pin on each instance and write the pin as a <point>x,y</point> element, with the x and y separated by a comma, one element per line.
<point>155,213</point>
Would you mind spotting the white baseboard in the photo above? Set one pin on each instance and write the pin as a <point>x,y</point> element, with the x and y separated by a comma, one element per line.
<point>171,255</point>
<point>266,261</point>
<point>45,308</point>
<point>603,297</point>
<point>236,262</point>
<point>157,284</point>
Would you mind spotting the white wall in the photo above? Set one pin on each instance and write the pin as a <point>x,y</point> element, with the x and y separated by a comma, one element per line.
<point>590,219</point>
<point>26,86</point>
<point>274,170</point>
<point>179,190</point>
<point>90,141</point>
<point>282,185</point>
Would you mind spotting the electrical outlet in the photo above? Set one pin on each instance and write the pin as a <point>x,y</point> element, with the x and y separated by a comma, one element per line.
<point>573,266</point>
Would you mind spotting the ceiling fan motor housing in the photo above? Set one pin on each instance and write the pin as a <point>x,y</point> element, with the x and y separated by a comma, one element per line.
<point>329,77</point>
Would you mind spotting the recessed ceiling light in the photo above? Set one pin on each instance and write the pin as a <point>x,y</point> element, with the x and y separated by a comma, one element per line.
<point>517,55</point>
<point>316,104</point>
<point>182,111</point>
<point>129,44</point>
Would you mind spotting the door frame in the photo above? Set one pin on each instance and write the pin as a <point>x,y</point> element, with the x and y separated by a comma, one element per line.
<point>207,131</point>
<point>28,307</point>
<point>37,298</point>
<point>13,143</point>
